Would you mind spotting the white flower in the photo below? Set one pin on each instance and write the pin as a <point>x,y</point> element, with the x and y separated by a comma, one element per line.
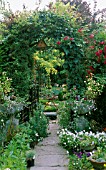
<point>34,157</point>
<point>67,152</point>
<point>93,142</point>
<point>86,133</point>
<point>36,134</point>
<point>57,132</point>
<point>81,133</point>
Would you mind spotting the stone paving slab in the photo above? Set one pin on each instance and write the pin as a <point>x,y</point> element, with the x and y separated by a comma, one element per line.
<point>50,113</point>
<point>53,133</point>
<point>49,141</point>
<point>53,126</point>
<point>50,150</point>
<point>48,168</point>
<point>51,160</point>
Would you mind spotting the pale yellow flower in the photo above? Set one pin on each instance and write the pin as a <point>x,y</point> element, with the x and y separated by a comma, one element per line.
<point>104,165</point>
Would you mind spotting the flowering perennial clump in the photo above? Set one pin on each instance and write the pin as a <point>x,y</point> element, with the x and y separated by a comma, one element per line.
<point>73,141</point>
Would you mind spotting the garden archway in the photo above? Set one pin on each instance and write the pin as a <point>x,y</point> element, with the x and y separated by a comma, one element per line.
<point>20,42</point>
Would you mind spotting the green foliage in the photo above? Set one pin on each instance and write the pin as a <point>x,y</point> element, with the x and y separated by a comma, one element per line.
<point>14,156</point>
<point>96,70</point>
<point>76,52</point>
<point>66,11</point>
<point>19,43</point>
<point>69,140</point>
<point>36,128</point>
<point>30,155</point>
<point>99,113</point>
<point>48,60</point>
<point>81,141</point>
<point>5,86</point>
<point>9,114</point>
<point>39,123</point>
<point>16,59</point>
<point>95,51</point>
<point>50,109</point>
<point>64,115</point>
<point>80,103</point>
<point>77,163</point>
<point>95,86</point>
<point>80,123</point>
<point>100,154</point>
<point>74,59</point>
<point>8,130</point>
<point>82,9</point>
<point>9,108</point>
<point>17,63</point>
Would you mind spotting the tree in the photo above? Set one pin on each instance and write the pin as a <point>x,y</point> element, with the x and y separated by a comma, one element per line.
<point>82,8</point>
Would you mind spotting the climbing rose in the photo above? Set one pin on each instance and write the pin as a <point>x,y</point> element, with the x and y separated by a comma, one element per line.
<point>98,53</point>
<point>80,30</point>
<point>91,47</point>
<point>58,42</point>
<point>102,42</point>
<point>91,68</point>
<point>89,72</point>
<point>66,38</point>
<point>105,49</point>
<point>105,62</point>
<point>71,39</point>
<point>91,36</point>
<point>98,59</point>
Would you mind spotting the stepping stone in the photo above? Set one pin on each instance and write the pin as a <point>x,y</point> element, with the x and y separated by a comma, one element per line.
<point>49,141</point>
<point>48,168</point>
<point>51,115</point>
<point>50,150</point>
<point>51,161</point>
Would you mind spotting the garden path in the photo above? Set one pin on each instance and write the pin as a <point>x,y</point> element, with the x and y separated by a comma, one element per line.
<point>49,154</point>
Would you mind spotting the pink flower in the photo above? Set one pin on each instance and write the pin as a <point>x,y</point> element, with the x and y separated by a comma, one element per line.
<point>71,39</point>
<point>91,36</point>
<point>80,30</point>
<point>98,53</point>
<point>102,42</point>
<point>105,56</point>
<point>58,42</point>
<point>91,47</point>
<point>66,38</point>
